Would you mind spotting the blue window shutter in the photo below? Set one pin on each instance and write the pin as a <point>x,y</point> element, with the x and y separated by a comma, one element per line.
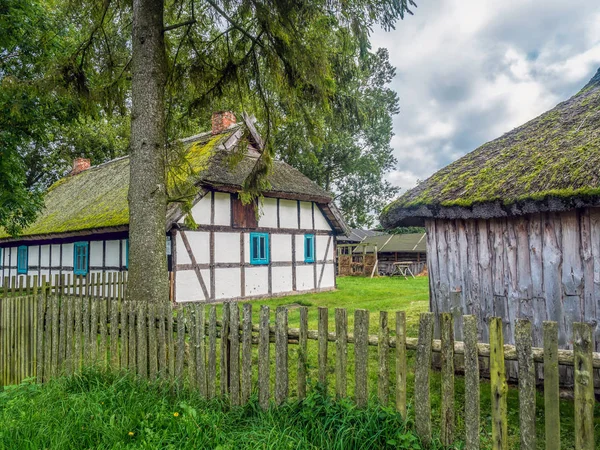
<point>309,248</point>
<point>22,259</point>
<point>259,248</point>
<point>80,258</point>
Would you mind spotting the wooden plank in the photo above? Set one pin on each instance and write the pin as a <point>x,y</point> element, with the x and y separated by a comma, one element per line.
<point>498,386</point>
<point>246,373</point>
<point>263,358</point>
<point>162,309</point>
<point>93,327</point>
<point>62,332</point>
<point>103,323</point>
<point>234,354</point>
<point>131,337</point>
<point>281,355</point>
<point>170,342</point>
<point>341,352</point>
<point>302,352</point>
<point>142,339</point>
<point>551,386</point>
<point>191,346</point>
<point>55,331</point>
<point>401,370</point>
<point>114,306</point>
<point>47,338</point>
<point>200,330</point>
<point>422,369</point>
<point>41,299</point>
<point>322,355</point>
<point>447,424</point>
<point>383,353</point>
<point>471,383</point>
<point>361,356</point>
<point>225,350</point>
<point>152,340</point>
<point>584,386</point>
<point>524,344</point>
<point>180,346</point>
<point>69,316</point>
<point>211,366</point>
<point>124,332</point>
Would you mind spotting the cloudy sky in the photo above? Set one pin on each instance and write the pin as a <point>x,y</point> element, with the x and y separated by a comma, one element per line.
<point>468,71</point>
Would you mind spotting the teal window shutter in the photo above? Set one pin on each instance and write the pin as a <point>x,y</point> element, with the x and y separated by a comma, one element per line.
<point>309,248</point>
<point>259,248</point>
<point>80,258</point>
<point>22,259</point>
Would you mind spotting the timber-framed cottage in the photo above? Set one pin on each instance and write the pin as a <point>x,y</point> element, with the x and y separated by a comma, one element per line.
<point>225,252</point>
<point>513,228</point>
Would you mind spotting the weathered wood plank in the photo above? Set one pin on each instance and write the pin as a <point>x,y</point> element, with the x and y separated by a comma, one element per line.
<point>302,352</point>
<point>447,424</point>
<point>401,371</point>
<point>361,353</point>
<point>498,386</point>
<point>131,337</point>
<point>322,355</point>
<point>524,344</point>
<point>41,299</point>
<point>225,350</point>
<point>55,334</point>
<point>471,383</point>
<point>163,309</point>
<point>341,352</point>
<point>246,372</point>
<point>69,350</point>
<point>170,343</point>
<point>263,358</point>
<point>200,330</point>
<point>551,386</point>
<point>142,339</point>
<point>234,354</point>
<point>211,364</point>
<point>422,369</point>
<point>383,373</point>
<point>114,323</point>
<point>179,359</point>
<point>152,341</point>
<point>584,386</point>
<point>191,345</point>
<point>281,355</point>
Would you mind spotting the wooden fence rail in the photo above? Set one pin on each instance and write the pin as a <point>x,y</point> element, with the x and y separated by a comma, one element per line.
<point>46,335</point>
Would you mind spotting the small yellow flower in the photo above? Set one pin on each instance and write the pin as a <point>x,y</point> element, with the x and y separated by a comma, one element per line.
<point>176,414</point>
<point>130,433</point>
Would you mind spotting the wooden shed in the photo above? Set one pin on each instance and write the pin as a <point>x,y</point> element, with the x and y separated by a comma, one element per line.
<point>409,249</point>
<point>513,228</point>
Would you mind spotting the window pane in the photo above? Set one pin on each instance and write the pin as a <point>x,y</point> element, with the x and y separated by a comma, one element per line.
<point>254,253</point>
<point>262,248</point>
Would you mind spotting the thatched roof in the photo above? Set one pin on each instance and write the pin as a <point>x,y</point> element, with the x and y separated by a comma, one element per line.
<point>548,164</point>
<point>95,200</point>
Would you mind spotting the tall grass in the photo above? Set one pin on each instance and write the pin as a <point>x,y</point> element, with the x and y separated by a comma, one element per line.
<point>112,410</point>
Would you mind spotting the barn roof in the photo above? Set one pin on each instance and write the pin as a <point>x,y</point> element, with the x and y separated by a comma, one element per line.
<point>357,235</point>
<point>548,164</point>
<point>95,200</point>
<point>401,243</point>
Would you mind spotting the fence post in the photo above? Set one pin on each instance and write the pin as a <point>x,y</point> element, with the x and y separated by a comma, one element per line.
<point>584,386</point>
<point>281,355</point>
<point>361,350</point>
<point>422,369</point>
<point>200,330</point>
<point>263,358</point>
<point>225,350</point>
<point>447,327</point>
<point>180,346</point>
<point>341,351</point>
<point>401,363</point>
<point>323,332</point>
<point>234,354</point>
<point>246,378</point>
<point>551,386</point>
<point>524,344</point>
<point>211,369</point>
<point>498,385</point>
<point>383,350</point>
<point>302,351</point>
<point>471,383</point>
<point>162,308</point>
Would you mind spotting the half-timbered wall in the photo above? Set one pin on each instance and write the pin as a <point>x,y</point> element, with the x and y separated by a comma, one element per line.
<point>213,262</point>
<point>54,259</point>
<point>544,266</point>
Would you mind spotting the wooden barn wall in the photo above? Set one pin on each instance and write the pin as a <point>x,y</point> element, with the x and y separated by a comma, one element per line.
<point>544,266</point>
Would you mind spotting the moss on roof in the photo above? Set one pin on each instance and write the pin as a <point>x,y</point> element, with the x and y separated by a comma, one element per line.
<point>97,197</point>
<point>555,155</point>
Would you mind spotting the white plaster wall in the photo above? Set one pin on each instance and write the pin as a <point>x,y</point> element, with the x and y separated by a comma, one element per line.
<point>305,277</point>
<point>112,253</point>
<point>13,257</point>
<point>281,247</point>
<point>300,247</point>
<point>96,249</point>
<point>268,213</point>
<point>45,273</point>
<point>247,248</point>
<point>45,260</point>
<point>200,245</point>
<point>55,255</point>
<point>67,255</point>
<point>288,213</point>
<point>281,277</point>
<point>228,283</point>
<point>306,215</point>
<point>201,211</point>
<point>187,286</point>
<point>328,279</point>
<point>257,280</point>
<point>320,220</point>
<point>322,251</point>
<point>227,248</point>
<point>34,255</point>
<point>222,209</point>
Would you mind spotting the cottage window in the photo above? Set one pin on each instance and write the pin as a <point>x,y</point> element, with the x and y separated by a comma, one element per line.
<point>309,248</point>
<point>22,259</point>
<point>259,248</point>
<point>80,258</point>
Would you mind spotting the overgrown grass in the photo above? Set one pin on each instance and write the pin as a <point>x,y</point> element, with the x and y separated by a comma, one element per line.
<point>113,411</point>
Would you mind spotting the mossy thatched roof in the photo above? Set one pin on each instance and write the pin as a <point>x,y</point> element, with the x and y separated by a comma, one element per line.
<point>96,199</point>
<point>550,163</point>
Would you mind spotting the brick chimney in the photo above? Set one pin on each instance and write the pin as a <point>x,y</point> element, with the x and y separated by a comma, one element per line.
<point>222,120</point>
<point>79,165</point>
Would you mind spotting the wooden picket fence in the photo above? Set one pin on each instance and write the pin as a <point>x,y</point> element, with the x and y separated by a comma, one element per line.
<point>47,335</point>
<point>97,284</point>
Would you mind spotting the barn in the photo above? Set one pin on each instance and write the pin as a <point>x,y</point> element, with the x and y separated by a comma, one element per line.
<point>513,228</point>
<point>225,252</point>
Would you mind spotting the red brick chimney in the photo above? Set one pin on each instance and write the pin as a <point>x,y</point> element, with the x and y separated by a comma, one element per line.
<point>222,120</point>
<point>79,165</point>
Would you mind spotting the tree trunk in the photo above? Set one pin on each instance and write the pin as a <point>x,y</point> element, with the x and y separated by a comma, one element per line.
<point>148,278</point>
